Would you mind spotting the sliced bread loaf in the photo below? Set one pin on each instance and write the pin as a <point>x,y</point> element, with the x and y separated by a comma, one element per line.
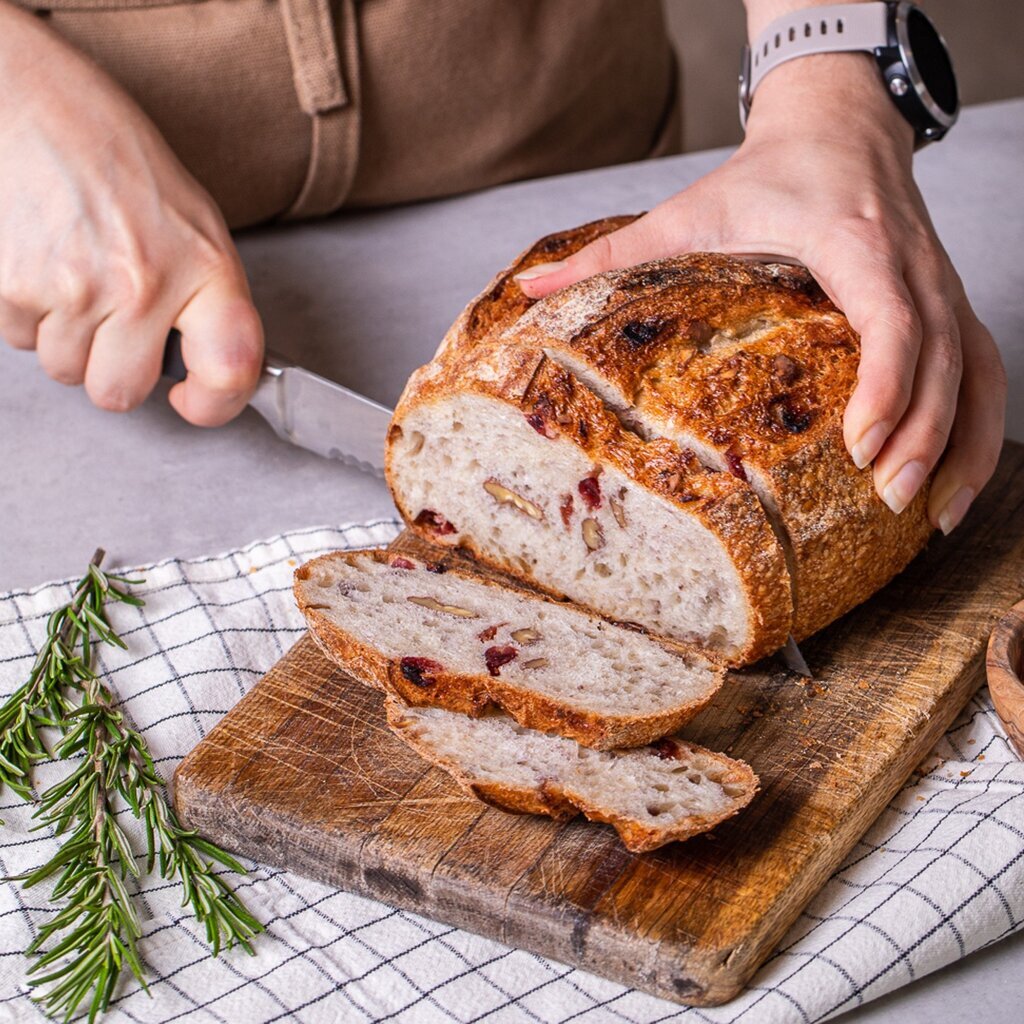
<point>510,457</point>
<point>467,644</point>
<point>651,795</point>
<point>737,367</point>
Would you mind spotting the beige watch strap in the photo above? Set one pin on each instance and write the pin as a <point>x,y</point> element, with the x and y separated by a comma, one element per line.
<point>835,28</point>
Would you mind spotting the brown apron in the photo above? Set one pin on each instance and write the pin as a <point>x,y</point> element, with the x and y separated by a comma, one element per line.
<point>294,108</point>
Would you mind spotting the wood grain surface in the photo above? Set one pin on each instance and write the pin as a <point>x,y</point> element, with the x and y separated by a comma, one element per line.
<point>303,774</point>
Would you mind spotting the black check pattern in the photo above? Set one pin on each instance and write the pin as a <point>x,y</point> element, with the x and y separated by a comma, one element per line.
<point>939,875</point>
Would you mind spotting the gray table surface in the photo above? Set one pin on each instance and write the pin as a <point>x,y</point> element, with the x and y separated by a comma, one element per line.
<point>364,299</point>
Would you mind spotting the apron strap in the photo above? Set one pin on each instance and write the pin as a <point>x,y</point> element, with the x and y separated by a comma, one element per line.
<point>322,93</point>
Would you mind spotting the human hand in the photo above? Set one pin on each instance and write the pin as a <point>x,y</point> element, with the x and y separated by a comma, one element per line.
<point>106,241</point>
<point>836,193</point>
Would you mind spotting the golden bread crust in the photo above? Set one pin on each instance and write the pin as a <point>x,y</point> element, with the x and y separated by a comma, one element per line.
<point>503,302</point>
<point>750,365</point>
<point>753,365</point>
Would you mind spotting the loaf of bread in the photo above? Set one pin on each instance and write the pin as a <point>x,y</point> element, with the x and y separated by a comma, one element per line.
<point>457,641</point>
<point>651,795</point>
<point>662,444</point>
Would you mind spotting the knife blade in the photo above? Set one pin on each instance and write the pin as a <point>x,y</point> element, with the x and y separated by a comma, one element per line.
<point>310,411</point>
<point>791,657</point>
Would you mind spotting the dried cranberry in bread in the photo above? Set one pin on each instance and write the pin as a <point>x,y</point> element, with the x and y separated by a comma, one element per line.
<point>651,795</point>
<point>504,453</point>
<point>458,641</point>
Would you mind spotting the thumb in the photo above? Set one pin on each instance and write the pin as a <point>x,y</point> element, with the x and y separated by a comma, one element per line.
<point>638,242</point>
<point>222,347</point>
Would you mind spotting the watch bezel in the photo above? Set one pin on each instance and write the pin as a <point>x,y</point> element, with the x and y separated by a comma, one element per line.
<point>899,39</point>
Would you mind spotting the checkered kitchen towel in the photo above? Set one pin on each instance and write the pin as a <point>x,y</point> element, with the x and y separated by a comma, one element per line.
<point>940,875</point>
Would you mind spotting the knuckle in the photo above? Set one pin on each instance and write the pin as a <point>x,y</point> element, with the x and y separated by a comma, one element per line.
<point>17,336</point>
<point>76,291</point>
<point>596,256</point>
<point>888,398</point>
<point>68,375</point>
<point>862,232</point>
<point>137,291</point>
<point>946,356</point>
<point>61,366</point>
<point>18,291</point>
<point>113,397</point>
<point>897,320</point>
<point>931,437</point>
<point>992,374</point>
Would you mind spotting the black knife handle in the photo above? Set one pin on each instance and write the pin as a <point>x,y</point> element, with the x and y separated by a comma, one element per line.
<point>174,365</point>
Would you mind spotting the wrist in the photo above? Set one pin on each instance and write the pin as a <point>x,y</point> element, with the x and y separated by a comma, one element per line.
<point>829,95</point>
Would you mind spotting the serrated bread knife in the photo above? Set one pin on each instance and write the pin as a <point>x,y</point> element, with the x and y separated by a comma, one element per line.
<point>310,411</point>
<point>315,413</point>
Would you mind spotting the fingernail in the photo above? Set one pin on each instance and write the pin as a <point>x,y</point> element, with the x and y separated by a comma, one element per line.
<point>539,270</point>
<point>869,445</point>
<point>900,490</point>
<point>956,508</point>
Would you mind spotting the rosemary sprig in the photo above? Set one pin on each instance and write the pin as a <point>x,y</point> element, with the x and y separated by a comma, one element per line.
<point>92,939</point>
<point>44,699</point>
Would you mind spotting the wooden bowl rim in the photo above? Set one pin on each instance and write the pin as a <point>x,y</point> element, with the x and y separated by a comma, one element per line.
<point>1006,633</point>
<point>1004,667</point>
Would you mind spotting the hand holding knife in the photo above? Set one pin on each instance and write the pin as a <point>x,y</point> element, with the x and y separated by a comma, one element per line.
<point>315,413</point>
<point>309,411</point>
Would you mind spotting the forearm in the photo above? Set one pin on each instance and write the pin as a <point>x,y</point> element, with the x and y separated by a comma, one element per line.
<point>34,62</point>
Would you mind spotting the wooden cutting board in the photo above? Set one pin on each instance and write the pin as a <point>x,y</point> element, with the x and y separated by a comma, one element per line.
<point>303,774</point>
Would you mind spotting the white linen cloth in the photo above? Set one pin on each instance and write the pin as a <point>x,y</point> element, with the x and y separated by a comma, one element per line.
<point>939,875</point>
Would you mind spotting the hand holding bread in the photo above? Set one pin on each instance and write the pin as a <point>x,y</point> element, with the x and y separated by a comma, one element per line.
<point>841,199</point>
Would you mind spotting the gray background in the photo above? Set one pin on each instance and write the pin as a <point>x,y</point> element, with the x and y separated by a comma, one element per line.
<point>364,299</point>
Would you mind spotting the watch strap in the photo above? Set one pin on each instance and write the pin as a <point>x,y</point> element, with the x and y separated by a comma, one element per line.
<point>833,28</point>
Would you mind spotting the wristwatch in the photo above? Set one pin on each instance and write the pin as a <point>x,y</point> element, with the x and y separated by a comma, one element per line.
<point>911,56</point>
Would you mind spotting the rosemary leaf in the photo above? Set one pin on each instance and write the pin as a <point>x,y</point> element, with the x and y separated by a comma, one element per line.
<point>81,951</point>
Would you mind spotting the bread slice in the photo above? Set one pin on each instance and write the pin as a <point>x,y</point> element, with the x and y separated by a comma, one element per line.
<point>467,644</point>
<point>651,795</point>
<point>750,366</point>
<point>507,455</point>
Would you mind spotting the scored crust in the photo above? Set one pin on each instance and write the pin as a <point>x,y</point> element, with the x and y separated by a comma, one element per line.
<point>478,693</point>
<point>558,407</point>
<point>557,800</point>
<point>751,366</point>
<point>503,302</point>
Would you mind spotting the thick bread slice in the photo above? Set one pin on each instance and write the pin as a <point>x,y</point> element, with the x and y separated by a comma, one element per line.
<point>505,454</point>
<point>467,644</point>
<point>651,795</point>
<point>751,367</point>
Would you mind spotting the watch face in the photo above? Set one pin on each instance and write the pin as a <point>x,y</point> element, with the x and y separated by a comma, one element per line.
<point>932,61</point>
